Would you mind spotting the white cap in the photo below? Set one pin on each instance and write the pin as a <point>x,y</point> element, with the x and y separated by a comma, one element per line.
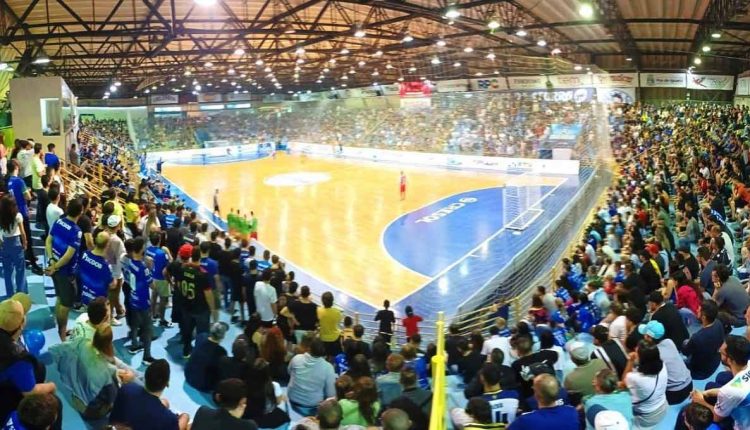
<point>611,420</point>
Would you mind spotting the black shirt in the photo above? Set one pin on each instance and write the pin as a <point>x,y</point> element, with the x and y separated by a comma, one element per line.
<point>469,365</point>
<point>193,285</point>
<point>306,315</point>
<point>674,327</point>
<point>174,240</point>
<point>693,267</point>
<point>386,319</point>
<point>202,368</point>
<point>523,365</point>
<point>353,347</point>
<point>84,223</point>
<point>212,419</point>
<point>42,203</point>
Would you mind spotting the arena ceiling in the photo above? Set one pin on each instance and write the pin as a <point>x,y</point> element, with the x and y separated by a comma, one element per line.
<point>284,45</point>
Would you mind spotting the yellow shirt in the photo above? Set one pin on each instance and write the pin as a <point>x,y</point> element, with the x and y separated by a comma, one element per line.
<point>131,212</point>
<point>329,319</point>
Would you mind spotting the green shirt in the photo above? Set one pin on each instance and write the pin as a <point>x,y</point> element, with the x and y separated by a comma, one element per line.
<point>580,378</point>
<point>37,171</point>
<point>351,414</point>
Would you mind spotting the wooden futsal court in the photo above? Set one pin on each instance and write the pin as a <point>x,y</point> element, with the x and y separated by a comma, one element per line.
<point>328,216</point>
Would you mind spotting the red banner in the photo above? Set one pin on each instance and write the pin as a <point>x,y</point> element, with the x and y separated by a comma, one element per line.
<point>415,89</point>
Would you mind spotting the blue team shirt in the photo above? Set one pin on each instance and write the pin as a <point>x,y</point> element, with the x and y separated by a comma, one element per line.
<point>140,409</point>
<point>94,276</point>
<point>169,220</point>
<point>13,422</point>
<point>65,233</point>
<point>211,267</point>
<point>159,257</point>
<point>263,265</point>
<point>558,417</point>
<point>17,187</point>
<point>140,283</point>
<point>51,159</point>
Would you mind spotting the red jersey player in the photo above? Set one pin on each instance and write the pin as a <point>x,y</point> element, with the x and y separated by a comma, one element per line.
<point>403,185</point>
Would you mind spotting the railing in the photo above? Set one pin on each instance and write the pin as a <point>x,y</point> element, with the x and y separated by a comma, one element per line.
<point>439,391</point>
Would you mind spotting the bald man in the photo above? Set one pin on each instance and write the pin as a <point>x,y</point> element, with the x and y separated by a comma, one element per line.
<point>328,417</point>
<point>395,419</point>
<point>94,274</point>
<point>550,414</point>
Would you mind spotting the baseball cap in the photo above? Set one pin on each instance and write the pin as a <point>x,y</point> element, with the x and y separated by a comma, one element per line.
<point>652,248</point>
<point>219,330</point>
<point>653,328</point>
<point>610,420</point>
<point>579,350</point>
<point>185,251</point>
<point>113,221</point>
<point>11,315</point>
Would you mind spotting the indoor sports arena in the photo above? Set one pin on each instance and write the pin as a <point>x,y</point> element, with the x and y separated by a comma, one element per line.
<point>391,214</point>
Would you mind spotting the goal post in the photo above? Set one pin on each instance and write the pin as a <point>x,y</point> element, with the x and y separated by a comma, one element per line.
<point>521,197</point>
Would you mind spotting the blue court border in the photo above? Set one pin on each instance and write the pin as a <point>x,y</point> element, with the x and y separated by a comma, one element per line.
<point>446,291</point>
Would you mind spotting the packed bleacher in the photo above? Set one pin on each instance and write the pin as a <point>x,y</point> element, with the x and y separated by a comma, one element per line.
<point>644,328</point>
<point>493,124</point>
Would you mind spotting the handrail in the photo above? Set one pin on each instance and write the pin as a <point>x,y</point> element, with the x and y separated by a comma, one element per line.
<point>439,395</point>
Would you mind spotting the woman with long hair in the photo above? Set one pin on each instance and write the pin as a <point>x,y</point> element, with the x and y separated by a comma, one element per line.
<point>14,242</point>
<point>359,366</point>
<point>273,350</point>
<point>647,383</point>
<point>363,407</point>
<point>264,397</point>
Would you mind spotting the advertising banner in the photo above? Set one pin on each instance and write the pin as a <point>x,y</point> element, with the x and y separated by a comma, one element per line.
<point>527,82</point>
<point>710,82</point>
<point>312,97</point>
<point>453,86</point>
<point>743,86</point>
<point>580,95</point>
<point>164,99</point>
<point>415,89</point>
<point>619,80</point>
<point>571,81</point>
<point>209,98</point>
<point>663,80</point>
<point>239,97</point>
<point>391,90</point>
<point>489,84</point>
<point>615,95</point>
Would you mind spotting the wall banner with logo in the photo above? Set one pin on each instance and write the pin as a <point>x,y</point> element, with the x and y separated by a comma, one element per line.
<point>615,80</point>
<point>489,84</point>
<point>453,86</point>
<point>663,80</point>
<point>571,81</point>
<point>164,99</point>
<point>527,82</point>
<point>615,95</point>
<point>209,98</point>
<point>710,82</point>
<point>743,86</point>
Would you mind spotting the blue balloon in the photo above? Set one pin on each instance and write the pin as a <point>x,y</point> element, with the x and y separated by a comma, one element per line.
<point>34,340</point>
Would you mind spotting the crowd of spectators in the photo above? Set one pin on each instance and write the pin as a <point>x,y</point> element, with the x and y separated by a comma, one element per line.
<point>492,124</point>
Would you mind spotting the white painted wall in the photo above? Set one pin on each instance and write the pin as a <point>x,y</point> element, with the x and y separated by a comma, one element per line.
<point>25,95</point>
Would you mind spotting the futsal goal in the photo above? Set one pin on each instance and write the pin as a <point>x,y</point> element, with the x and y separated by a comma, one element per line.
<point>521,201</point>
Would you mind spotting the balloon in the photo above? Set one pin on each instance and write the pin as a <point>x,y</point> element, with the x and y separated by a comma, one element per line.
<point>34,340</point>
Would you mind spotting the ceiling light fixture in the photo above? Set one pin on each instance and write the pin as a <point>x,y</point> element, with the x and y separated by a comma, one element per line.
<point>407,38</point>
<point>629,59</point>
<point>258,62</point>
<point>359,31</point>
<point>344,51</point>
<point>361,63</point>
<point>715,35</point>
<point>706,48</point>
<point>697,61</point>
<point>541,42</point>
<point>556,51</point>
<point>239,52</point>
<point>491,55</point>
<point>230,71</point>
<point>521,33</point>
<point>456,64</point>
<point>300,51</point>
<point>435,60</point>
<point>468,49</point>
<point>378,53</point>
<point>577,67</point>
<point>586,10</point>
<point>147,91</point>
<point>208,64</point>
<point>42,59</point>
<point>452,12</point>
<point>440,43</point>
<point>493,24</point>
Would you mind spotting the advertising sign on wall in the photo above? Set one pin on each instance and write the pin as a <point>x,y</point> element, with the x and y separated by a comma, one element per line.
<point>615,95</point>
<point>580,95</point>
<point>239,97</point>
<point>390,90</point>
<point>415,89</point>
<point>527,82</point>
<point>164,99</point>
<point>663,80</point>
<point>209,98</point>
<point>489,84</point>
<point>743,86</point>
<point>710,82</point>
<point>619,80</point>
<point>571,81</point>
<point>452,86</point>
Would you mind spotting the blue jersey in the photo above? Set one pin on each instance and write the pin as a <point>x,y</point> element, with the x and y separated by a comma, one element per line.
<point>51,160</point>
<point>263,265</point>
<point>159,257</point>
<point>13,422</point>
<point>169,220</point>
<point>65,234</point>
<point>211,267</point>
<point>17,188</point>
<point>94,276</point>
<point>140,285</point>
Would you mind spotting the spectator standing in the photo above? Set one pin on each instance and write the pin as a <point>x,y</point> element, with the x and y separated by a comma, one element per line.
<point>20,192</point>
<point>329,319</point>
<point>62,246</point>
<point>411,322</point>
<point>139,306</point>
<point>386,319</point>
<point>305,313</point>
<point>115,257</point>
<point>14,242</point>
<point>160,257</point>
<point>196,297</point>
<point>94,275</point>
<point>211,267</point>
<point>50,158</point>
<point>265,300</point>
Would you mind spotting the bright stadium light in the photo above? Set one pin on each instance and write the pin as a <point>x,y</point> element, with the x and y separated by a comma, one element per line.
<point>361,63</point>
<point>414,69</point>
<point>42,59</point>
<point>147,91</point>
<point>118,83</point>
<point>239,52</point>
<point>541,42</point>
<point>586,10</point>
<point>378,53</point>
<point>208,64</point>
<point>493,24</point>
<point>258,62</point>
<point>440,43</point>
<point>556,51</point>
<point>344,51</point>
<point>300,51</point>
<point>577,67</point>
<point>112,88</point>
<point>359,31</point>
<point>230,71</point>
<point>457,64</point>
<point>435,60</point>
<point>697,61</point>
<point>715,35</point>
<point>452,12</point>
<point>491,55</point>
<point>706,48</point>
<point>407,38</point>
<point>205,2</point>
<point>468,50</point>
<point>521,33</point>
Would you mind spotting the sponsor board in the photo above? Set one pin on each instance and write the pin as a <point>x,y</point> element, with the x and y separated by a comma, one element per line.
<point>452,86</point>
<point>571,81</point>
<point>489,84</point>
<point>663,80</point>
<point>163,99</point>
<point>615,95</point>
<point>527,82</point>
<point>619,80</point>
<point>710,82</point>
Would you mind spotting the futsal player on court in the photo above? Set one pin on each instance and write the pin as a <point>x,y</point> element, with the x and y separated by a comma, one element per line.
<point>403,185</point>
<point>216,203</point>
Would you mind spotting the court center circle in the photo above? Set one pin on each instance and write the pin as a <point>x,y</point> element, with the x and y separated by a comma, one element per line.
<point>296,179</point>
